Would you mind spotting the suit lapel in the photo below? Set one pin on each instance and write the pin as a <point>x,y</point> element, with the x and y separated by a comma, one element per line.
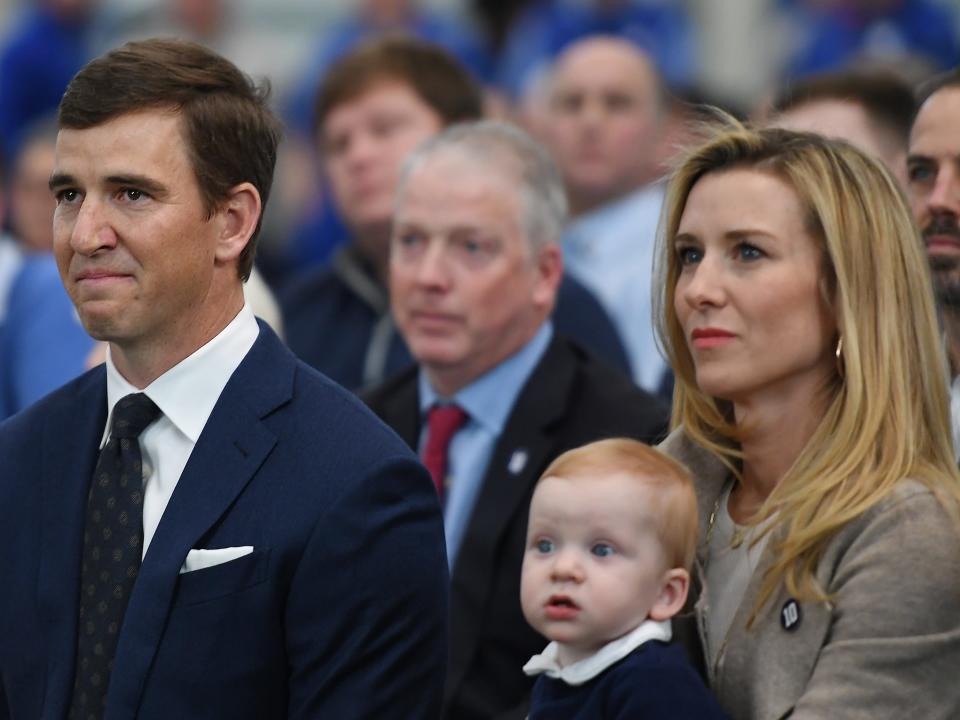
<point>233,445</point>
<point>522,451</point>
<point>71,438</point>
<point>402,412</point>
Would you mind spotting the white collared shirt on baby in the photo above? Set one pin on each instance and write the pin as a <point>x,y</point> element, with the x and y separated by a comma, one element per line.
<point>585,670</point>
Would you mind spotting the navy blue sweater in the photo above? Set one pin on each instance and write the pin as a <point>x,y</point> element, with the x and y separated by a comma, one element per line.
<point>654,682</point>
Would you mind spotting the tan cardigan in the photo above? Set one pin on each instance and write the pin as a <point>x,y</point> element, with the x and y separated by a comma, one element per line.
<point>888,646</point>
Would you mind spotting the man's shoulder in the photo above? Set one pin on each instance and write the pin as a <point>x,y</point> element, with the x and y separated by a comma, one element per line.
<point>567,380</point>
<point>326,321</point>
<point>82,394</point>
<point>315,285</point>
<point>401,388</point>
<point>346,280</point>
<point>640,205</point>
<point>581,397</point>
<point>322,408</point>
<point>598,384</point>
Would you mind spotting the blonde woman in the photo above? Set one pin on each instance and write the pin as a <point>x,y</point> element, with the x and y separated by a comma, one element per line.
<point>811,407</point>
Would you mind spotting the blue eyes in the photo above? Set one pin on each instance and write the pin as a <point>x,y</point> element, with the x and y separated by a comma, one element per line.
<point>466,250</point>
<point>470,247</point>
<point>920,172</point>
<point>602,550</point>
<point>689,255</point>
<point>70,195</point>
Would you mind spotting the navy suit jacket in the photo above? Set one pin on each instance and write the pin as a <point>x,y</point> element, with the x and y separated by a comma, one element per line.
<point>339,612</point>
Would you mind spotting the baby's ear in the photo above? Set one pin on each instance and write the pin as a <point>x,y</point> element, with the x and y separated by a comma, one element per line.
<point>673,594</point>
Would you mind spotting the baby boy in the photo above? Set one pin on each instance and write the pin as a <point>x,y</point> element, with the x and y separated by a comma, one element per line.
<point>610,544</point>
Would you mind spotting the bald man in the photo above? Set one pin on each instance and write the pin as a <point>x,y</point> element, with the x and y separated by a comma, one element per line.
<point>603,120</point>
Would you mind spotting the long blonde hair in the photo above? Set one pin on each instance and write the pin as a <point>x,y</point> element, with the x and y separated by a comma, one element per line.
<point>887,415</point>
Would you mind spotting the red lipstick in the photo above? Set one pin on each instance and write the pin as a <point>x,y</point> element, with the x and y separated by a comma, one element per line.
<point>706,338</point>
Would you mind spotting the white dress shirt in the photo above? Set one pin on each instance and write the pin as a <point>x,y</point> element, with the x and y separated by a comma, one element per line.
<point>186,395</point>
<point>11,260</point>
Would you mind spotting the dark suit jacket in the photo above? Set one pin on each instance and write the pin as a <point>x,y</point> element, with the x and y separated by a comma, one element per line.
<point>570,399</point>
<point>340,612</point>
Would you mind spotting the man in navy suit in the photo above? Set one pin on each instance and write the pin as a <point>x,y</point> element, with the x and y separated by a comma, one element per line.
<point>291,561</point>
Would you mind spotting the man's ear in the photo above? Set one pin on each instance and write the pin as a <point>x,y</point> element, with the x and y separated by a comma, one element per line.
<point>239,214</point>
<point>549,262</point>
<point>673,594</point>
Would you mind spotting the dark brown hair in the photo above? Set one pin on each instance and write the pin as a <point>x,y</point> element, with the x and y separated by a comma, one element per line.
<point>432,73</point>
<point>888,101</point>
<point>950,78</point>
<point>231,135</point>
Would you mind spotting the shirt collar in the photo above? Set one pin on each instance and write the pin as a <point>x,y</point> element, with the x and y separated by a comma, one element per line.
<point>187,392</point>
<point>651,195</point>
<point>614,651</point>
<point>489,399</point>
<point>648,198</point>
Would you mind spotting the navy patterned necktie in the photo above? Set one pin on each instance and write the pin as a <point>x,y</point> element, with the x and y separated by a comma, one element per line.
<point>112,546</point>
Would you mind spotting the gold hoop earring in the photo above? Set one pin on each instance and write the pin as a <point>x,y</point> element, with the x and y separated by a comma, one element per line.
<point>839,355</point>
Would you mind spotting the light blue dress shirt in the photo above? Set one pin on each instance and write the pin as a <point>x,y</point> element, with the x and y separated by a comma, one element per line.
<point>611,251</point>
<point>488,401</point>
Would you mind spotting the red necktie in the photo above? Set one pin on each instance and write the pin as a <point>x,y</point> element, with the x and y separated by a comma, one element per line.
<point>443,421</point>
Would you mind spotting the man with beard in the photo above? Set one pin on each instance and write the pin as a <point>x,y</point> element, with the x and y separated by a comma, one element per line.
<point>933,186</point>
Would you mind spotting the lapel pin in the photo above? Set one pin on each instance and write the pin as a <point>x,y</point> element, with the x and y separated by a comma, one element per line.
<point>518,461</point>
<point>790,615</point>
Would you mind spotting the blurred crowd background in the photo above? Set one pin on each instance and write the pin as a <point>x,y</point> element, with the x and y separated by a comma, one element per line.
<point>739,55</point>
<point>732,53</point>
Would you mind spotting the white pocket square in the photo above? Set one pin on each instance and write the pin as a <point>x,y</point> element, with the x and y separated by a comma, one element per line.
<point>200,559</point>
